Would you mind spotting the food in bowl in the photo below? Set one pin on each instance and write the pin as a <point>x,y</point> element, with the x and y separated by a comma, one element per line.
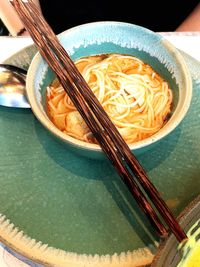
<point>186,254</point>
<point>136,98</point>
<point>103,38</point>
<point>191,249</point>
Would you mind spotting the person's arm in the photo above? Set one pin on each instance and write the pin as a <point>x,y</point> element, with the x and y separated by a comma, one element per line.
<point>192,22</point>
<point>10,19</point>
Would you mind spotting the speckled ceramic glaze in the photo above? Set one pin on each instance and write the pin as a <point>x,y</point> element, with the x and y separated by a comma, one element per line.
<point>58,208</point>
<point>115,37</point>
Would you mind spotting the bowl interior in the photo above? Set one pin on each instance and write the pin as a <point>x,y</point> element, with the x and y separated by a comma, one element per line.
<point>169,253</point>
<point>114,37</point>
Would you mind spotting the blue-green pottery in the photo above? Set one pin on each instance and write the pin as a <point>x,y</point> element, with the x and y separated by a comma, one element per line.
<point>62,209</point>
<point>114,37</point>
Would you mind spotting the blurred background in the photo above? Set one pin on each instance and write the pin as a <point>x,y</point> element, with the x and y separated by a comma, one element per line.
<point>158,16</point>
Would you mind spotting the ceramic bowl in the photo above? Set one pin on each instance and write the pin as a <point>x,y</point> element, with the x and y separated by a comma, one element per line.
<point>114,37</point>
<point>172,254</point>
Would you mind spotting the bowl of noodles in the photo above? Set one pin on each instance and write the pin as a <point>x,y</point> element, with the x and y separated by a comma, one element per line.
<point>139,78</point>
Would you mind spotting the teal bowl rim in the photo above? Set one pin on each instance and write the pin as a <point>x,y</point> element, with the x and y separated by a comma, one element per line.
<point>180,111</point>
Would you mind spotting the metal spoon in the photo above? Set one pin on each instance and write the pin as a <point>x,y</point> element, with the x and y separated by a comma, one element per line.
<point>12,86</point>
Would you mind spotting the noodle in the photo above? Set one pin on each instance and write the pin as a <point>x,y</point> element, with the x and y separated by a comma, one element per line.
<point>135,97</point>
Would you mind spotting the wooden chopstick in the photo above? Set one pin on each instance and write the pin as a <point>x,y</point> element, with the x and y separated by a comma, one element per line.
<point>97,119</point>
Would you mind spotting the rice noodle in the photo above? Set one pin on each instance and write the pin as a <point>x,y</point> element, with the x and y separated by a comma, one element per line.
<point>134,96</point>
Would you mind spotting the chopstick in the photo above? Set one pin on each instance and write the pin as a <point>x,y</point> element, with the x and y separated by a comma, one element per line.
<point>107,135</point>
